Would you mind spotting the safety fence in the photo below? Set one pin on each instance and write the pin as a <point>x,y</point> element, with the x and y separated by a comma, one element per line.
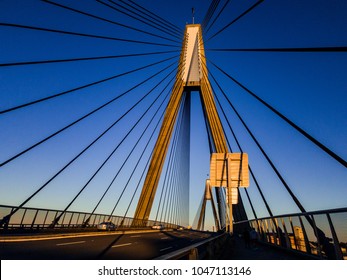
<point>27,218</point>
<point>322,234</point>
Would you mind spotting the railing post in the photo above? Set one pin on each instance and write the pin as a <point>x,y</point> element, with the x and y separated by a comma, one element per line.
<point>62,220</point>
<point>45,219</point>
<point>317,237</point>
<point>84,219</point>
<point>21,222</point>
<point>278,232</point>
<point>307,243</point>
<point>288,245</point>
<point>263,236</point>
<point>338,252</point>
<point>294,237</point>
<point>72,213</point>
<point>78,218</point>
<point>33,222</point>
<point>267,231</point>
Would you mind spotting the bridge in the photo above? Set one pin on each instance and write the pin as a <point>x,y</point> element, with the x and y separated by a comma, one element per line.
<point>187,129</point>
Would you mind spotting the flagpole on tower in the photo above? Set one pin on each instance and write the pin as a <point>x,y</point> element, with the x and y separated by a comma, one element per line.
<point>193,14</point>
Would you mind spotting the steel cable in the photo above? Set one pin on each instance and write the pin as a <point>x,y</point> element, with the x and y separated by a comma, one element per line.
<point>9,64</point>
<point>119,144</point>
<point>83,34</point>
<point>107,20</point>
<point>292,124</point>
<point>166,31</point>
<point>159,20</point>
<point>70,125</point>
<point>14,210</point>
<point>235,20</point>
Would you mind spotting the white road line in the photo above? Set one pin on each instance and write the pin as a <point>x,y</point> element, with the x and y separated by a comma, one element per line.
<point>164,238</point>
<point>121,245</point>
<point>70,243</point>
<point>135,236</point>
<point>64,236</point>
<point>167,248</point>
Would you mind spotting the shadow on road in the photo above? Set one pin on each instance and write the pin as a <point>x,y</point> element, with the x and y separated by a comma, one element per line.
<point>114,242</point>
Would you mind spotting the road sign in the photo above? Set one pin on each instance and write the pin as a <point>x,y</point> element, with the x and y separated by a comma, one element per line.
<point>229,166</point>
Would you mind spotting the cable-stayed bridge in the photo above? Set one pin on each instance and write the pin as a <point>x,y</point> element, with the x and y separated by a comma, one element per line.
<point>229,120</point>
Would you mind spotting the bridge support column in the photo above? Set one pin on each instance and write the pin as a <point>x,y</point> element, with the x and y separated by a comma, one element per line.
<point>192,75</point>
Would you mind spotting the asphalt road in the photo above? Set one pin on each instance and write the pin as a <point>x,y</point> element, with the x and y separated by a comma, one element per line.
<point>136,246</point>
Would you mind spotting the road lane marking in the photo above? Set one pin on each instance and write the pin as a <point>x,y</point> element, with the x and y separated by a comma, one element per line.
<point>167,248</point>
<point>70,243</point>
<point>121,245</point>
<point>135,236</point>
<point>64,236</point>
<point>164,238</point>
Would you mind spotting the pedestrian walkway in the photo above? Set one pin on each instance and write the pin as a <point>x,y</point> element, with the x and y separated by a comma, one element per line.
<point>239,251</point>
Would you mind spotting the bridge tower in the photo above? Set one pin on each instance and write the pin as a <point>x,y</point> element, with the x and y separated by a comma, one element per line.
<point>192,75</point>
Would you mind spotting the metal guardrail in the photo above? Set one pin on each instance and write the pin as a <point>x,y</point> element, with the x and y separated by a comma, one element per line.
<point>322,234</point>
<point>201,250</point>
<point>28,218</point>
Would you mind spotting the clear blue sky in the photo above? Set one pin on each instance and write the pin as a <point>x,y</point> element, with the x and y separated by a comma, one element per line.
<point>308,88</point>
